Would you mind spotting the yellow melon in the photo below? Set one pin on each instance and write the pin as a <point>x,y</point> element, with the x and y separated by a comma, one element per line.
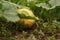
<point>30,13</point>
<point>28,22</point>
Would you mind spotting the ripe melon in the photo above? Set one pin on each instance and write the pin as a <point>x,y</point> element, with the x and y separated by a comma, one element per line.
<point>25,21</point>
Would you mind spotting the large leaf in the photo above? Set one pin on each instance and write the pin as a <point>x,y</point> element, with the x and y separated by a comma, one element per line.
<point>54,2</point>
<point>9,11</point>
<point>50,5</point>
<point>43,5</point>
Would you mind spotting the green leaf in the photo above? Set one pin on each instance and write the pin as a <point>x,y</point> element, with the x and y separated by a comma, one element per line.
<point>41,32</point>
<point>51,38</point>
<point>43,0</point>
<point>10,11</point>
<point>56,23</point>
<point>1,13</point>
<point>50,5</point>
<point>0,5</point>
<point>1,9</point>
<point>54,2</point>
<point>27,17</point>
<point>44,5</point>
<point>15,1</point>
<point>45,24</point>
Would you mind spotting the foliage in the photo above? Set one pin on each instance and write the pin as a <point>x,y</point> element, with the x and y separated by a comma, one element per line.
<point>48,12</point>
